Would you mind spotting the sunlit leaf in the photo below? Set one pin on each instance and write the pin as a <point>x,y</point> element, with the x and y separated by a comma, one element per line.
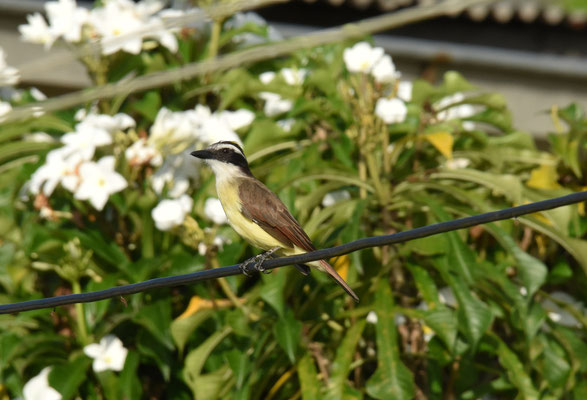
<point>309,382</point>
<point>67,378</point>
<point>392,379</point>
<point>287,332</point>
<point>442,141</point>
<point>544,177</point>
<point>182,329</point>
<point>516,372</point>
<point>194,361</point>
<point>342,362</point>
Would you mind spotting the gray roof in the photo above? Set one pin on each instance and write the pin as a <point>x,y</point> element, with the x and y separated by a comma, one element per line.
<point>529,11</point>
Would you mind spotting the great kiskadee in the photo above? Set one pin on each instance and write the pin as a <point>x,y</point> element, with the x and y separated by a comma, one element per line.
<point>255,212</point>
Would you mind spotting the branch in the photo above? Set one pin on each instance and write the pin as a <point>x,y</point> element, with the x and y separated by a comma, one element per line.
<point>360,244</point>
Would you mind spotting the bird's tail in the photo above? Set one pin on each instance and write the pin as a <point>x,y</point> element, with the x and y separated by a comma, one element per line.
<point>325,267</point>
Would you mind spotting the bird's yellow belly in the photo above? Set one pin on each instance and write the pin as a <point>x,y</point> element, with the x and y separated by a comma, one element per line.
<point>250,231</point>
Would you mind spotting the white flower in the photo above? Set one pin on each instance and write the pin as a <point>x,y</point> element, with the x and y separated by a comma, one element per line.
<point>84,142</point>
<point>140,153</point>
<point>8,75</point>
<point>37,31</point>
<point>391,110</point>
<point>457,163</point>
<point>372,317</point>
<point>404,91</point>
<point>37,388</point>
<point>175,174</point>
<point>106,123</point>
<point>458,111</point>
<point>384,70</point>
<point>99,181</point>
<point>267,77</point>
<point>274,104</point>
<point>291,76</point>
<point>214,211</point>
<point>67,19</point>
<point>37,94</point>
<point>294,76</point>
<point>237,119</point>
<point>446,296</point>
<point>286,124</point>
<point>109,354</point>
<point>122,25</point>
<point>173,129</point>
<point>171,213</point>
<point>334,197</point>
<point>119,26</point>
<point>215,129</point>
<point>5,108</point>
<point>362,57</point>
<point>57,169</point>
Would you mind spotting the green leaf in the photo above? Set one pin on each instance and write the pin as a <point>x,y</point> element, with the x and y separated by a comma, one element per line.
<point>427,246</point>
<point>474,315</point>
<point>287,332</point>
<point>576,247</point>
<point>156,317</point>
<point>182,329</point>
<point>516,372</point>
<point>66,378</point>
<point>240,365</point>
<point>210,385</point>
<point>556,367</point>
<point>194,361</point>
<point>273,288</point>
<point>342,362</point>
<point>443,322</point>
<point>149,105</point>
<point>309,382</point>
<point>162,356</point>
<point>129,383</point>
<point>11,150</point>
<point>92,239</point>
<point>532,271</point>
<point>392,379</point>
<point>426,286</point>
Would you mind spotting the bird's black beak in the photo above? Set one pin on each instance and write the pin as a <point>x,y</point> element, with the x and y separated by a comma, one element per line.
<point>203,154</point>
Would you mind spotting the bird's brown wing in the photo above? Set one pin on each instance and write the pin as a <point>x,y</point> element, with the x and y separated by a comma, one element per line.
<point>262,206</point>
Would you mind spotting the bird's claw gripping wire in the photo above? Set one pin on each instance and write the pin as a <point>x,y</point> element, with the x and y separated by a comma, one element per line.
<point>257,263</point>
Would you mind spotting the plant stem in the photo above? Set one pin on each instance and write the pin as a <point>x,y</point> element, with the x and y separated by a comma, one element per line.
<point>82,330</point>
<point>147,249</point>
<point>215,38</point>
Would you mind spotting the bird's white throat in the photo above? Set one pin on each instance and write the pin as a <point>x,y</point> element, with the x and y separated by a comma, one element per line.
<point>225,172</point>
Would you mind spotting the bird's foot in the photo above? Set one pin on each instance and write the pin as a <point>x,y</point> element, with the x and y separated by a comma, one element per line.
<point>256,263</point>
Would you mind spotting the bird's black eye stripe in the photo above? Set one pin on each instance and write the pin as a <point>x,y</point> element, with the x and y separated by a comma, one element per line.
<point>225,151</point>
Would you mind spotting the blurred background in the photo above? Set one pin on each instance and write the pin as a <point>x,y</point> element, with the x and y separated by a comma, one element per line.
<point>534,52</point>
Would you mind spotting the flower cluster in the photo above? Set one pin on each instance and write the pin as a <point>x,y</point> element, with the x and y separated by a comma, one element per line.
<point>119,24</point>
<point>171,134</point>
<point>274,103</point>
<point>365,59</point>
<point>72,165</point>
<point>8,75</point>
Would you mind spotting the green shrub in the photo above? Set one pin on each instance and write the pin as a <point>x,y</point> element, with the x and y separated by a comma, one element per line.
<point>494,311</point>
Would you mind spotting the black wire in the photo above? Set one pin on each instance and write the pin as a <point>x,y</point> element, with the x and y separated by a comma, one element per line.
<point>360,244</point>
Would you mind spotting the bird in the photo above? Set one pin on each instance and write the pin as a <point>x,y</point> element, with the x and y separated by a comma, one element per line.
<point>256,213</point>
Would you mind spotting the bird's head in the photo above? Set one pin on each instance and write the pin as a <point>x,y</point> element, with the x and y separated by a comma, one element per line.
<point>226,159</point>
